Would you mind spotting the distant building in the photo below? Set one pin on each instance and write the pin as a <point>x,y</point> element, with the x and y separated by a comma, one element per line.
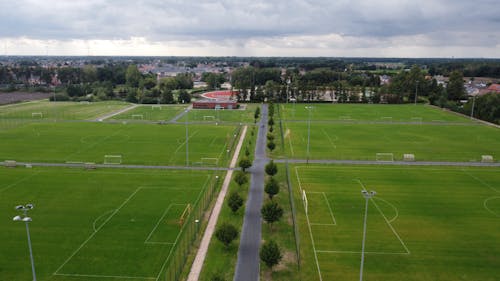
<point>493,88</point>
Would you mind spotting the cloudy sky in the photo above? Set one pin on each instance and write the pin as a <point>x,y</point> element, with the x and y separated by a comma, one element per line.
<point>354,28</point>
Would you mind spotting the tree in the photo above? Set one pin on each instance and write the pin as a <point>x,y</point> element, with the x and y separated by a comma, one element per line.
<point>272,187</point>
<point>217,277</point>
<point>240,178</point>
<point>184,97</point>
<point>455,88</point>
<point>271,168</point>
<point>270,253</point>
<point>271,145</point>
<point>270,122</point>
<point>270,137</point>
<point>133,76</point>
<point>257,113</point>
<point>245,163</point>
<point>234,201</point>
<point>226,233</point>
<point>271,212</point>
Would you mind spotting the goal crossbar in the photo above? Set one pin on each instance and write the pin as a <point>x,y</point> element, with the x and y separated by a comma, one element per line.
<point>384,157</point>
<point>36,114</point>
<point>208,117</point>
<point>112,159</point>
<point>137,116</point>
<point>209,161</point>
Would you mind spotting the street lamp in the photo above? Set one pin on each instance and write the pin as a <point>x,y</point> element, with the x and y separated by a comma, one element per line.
<point>309,108</point>
<point>187,138</point>
<point>416,91</point>
<point>287,93</point>
<point>367,195</point>
<point>473,104</point>
<point>26,219</point>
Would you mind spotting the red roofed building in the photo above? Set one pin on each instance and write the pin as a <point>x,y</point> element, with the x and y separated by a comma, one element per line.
<point>493,88</point>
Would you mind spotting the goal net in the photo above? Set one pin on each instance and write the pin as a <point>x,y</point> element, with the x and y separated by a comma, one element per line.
<point>209,117</point>
<point>384,157</point>
<point>417,120</point>
<point>209,161</point>
<point>112,159</point>
<point>386,119</point>
<point>36,115</point>
<point>304,200</point>
<point>409,157</point>
<point>487,159</point>
<point>153,107</point>
<point>137,116</point>
<point>185,214</point>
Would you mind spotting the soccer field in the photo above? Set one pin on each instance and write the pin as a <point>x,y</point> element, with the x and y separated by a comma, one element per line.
<point>423,224</point>
<point>363,141</point>
<point>146,144</point>
<point>97,225</point>
<point>151,113</point>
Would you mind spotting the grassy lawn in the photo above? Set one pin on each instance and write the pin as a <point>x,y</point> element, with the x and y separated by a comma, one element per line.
<point>93,224</point>
<point>137,143</point>
<point>369,112</point>
<point>363,141</point>
<point>45,110</point>
<point>151,113</point>
<point>423,224</point>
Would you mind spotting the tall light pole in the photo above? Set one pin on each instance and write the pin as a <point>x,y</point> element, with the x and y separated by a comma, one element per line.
<point>309,108</point>
<point>473,104</point>
<point>367,195</point>
<point>416,92</point>
<point>187,137</point>
<point>287,93</point>
<point>26,219</point>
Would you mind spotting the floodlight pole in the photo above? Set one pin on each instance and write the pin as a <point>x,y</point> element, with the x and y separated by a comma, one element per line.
<point>473,104</point>
<point>287,92</point>
<point>416,91</point>
<point>187,138</point>
<point>309,108</point>
<point>27,219</point>
<point>367,196</point>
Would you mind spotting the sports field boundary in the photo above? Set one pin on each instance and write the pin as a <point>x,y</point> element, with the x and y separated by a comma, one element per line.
<point>201,254</point>
<point>465,116</point>
<point>395,163</point>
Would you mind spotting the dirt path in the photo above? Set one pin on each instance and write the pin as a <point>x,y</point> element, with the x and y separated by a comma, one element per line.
<point>194,274</point>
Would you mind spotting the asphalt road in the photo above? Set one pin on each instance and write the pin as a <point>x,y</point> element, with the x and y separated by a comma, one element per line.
<point>248,264</point>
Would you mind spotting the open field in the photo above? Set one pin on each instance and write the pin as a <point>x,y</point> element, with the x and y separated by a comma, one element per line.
<point>95,225</point>
<point>423,223</point>
<point>224,115</point>
<point>45,110</point>
<point>6,98</point>
<point>151,112</point>
<point>148,144</point>
<point>369,112</point>
<point>363,141</point>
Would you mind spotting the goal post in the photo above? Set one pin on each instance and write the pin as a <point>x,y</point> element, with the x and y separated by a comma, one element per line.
<point>384,157</point>
<point>409,157</point>
<point>417,120</point>
<point>304,200</point>
<point>487,159</point>
<point>209,117</point>
<point>153,107</point>
<point>138,116</point>
<point>185,214</point>
<point>209,161</point>
<point>36,115</point>
<point>112,159</point>
<point>386,118</point>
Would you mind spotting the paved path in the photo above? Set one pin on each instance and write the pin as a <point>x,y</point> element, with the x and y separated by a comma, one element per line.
<point>121,166</point>
<point>414,163</point>
<point>179,116</point>
<point>194,274</point>
<point>109,115</point>
<point>248,264</point>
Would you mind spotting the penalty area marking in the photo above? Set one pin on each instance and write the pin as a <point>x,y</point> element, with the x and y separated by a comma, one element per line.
<point>158,223</point>
<point>485,204</point>
<point>105,276</point>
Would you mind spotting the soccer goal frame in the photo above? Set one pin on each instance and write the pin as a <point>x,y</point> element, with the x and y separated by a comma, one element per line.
<point>408,157</point>
<point>84,102</point>
<point>36,114</point>
<point>417,120</point>
<point>384,157</point>
<point>137,116</point>
<point>386,118</point>
<point>305,201</point>
<point>207,161</point>
<point>112,159</point>
<point>209,117</point>
<point>185,214</point>
<point>153,107</point>
<point>487,159</point>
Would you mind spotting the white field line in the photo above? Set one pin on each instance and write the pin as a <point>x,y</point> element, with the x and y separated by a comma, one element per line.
<point>390,226</point>
<point>93,144</point>
<point>158,223</point>
<point>19,181</point>
<point>330,209</point>
<point>329,139</point>
<point>485,204</point>
<point>184,141</point>
<point>388,203</point>
<point>107,116</point>
<point>359,252</point>
<point>97,230</point>
<point>99,217</point>
<point>197,265</point>
<point>310,230</point>
<point>339,167</point>
<point>481,181</point>
<point>105,276</point>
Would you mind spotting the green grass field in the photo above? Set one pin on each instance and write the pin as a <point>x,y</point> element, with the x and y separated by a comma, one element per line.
<point>149,144</point>
<point>363,141</point>
<point>424,223</point>
<point>210,115</point>
<point>94,225</point>
<point>369,112</point>
<point>151,113</point>
<point>45,110</point>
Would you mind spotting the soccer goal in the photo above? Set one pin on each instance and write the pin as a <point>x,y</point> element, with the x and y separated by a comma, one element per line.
<point>36,115</point>
<point>10,163</point>
<point>486,158</point>
<point>417,120</point>
<point>84,102</point>
<point>185,214</point>
<point>384,157</point>
<point>304,200</point>
<point>137,116</point>
<point>409,157</point>
<point>153,107</point>
<point>345,118</point>
<point>386,118</point>
<point>209,161</point>
<point>208,118</point>
<point>89,166</point>
<point>112,159</point>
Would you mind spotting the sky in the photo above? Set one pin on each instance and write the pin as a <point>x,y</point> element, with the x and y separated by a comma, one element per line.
<point>311,28</point>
